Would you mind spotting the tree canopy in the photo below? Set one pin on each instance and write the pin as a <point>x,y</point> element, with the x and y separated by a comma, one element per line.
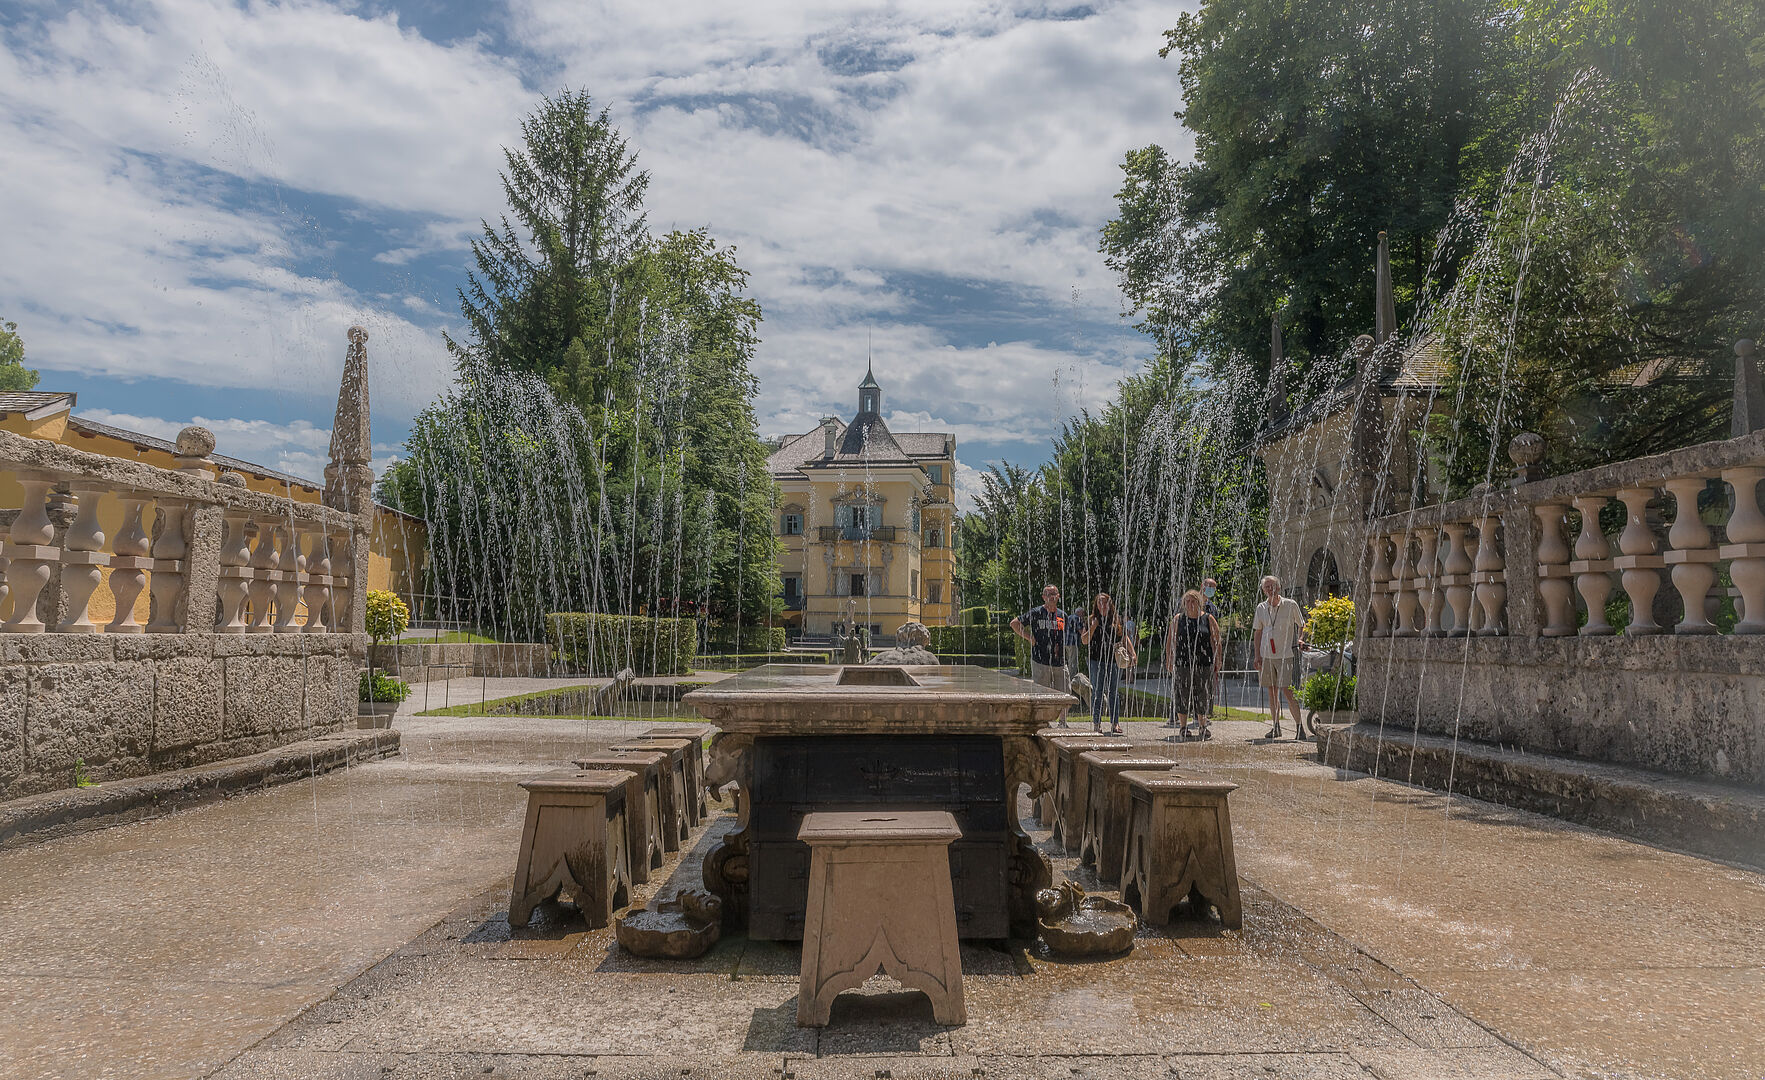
<point>598,451</point>
<point>13,373</point>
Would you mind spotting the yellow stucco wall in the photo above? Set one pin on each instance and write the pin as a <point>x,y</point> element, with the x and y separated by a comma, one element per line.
<point>396,550</point>
<point>906,578</point>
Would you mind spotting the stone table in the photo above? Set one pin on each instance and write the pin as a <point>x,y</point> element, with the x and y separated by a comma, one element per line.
<point>818,737</point>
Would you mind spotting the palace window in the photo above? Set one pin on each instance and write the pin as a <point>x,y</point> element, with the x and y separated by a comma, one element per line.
<point>856,584</point>
<point>934,538</point>
<point>934,592</point>
<point>936,472</point>
<point>791,525</point>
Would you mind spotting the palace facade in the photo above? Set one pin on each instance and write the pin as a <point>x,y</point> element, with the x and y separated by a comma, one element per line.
<point>865,521</point>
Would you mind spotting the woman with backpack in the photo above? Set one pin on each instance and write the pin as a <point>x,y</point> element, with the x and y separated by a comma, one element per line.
<point>1192,653</point>
<point>1112,652</point>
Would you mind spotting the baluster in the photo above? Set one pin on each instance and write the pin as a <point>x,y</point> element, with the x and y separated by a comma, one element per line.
<point>288,564</point>
<point>318,585</point>
<point>263,578</point>
<point>29,555</point>
<point>1491,577</point>
<point>1380,576</point>
<point>1553,571</point>
<point>1457,578</point>
<point>342,581</point>
<point>1428,581</point>
<point>1639,563</point>
<point>1693,557</point>
<point>1745,549</point>
<point>1404,573</point>
<point>129,564</point>
<point>82,564</point>
<point>166,586</point>
<point>235,573</point>
<point>1593,565</point>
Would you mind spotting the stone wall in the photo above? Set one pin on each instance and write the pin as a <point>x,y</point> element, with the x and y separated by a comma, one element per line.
<point>454,660</point>
<point>1689,705</point>
<point>130,705</point>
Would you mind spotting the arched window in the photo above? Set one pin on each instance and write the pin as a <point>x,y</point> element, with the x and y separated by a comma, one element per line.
<point>1321,576</point>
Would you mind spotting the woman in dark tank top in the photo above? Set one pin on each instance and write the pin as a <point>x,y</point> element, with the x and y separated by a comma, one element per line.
<point>1192,654</point>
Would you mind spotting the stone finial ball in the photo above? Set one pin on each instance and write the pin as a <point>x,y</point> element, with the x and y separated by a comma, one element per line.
<point>195,442</point>
<point>358,336</point>
<point>231,478</point>
<point>911,634</point>
<point>1526,448</point>
<point>1743,347</point>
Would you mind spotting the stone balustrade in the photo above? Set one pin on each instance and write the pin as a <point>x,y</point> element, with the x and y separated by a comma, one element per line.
<point>189,543</point>
<point>1501,562</point>
<point>1587,614</point>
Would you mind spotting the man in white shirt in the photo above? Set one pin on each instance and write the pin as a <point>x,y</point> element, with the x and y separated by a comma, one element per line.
<point>1277,626</point>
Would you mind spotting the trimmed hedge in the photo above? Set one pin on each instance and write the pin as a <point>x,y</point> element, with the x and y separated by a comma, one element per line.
<point>600,644</point>
<point>753,639</point>
<point>972,640</point>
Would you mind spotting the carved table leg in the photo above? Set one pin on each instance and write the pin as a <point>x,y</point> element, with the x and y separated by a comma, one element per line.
<point>731,761</point>
<point>1026,762</point>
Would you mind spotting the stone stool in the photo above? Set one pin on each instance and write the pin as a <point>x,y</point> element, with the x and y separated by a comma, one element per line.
<point>691,808</point>
<point>880,900</point>
<point>643,801</point>
<point>698,733</point>
<point>1180,846</point>
<point>676,821</point>
<point>1072,783</point>
<point>574,841</point>
<point>1105,835</point>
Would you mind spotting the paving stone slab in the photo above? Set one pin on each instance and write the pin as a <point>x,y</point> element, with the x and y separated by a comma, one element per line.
<point>1401,1061</point>
<point>1265,1067</point>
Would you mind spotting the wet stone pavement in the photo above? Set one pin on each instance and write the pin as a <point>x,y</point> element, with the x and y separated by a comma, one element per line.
<point>353,926</point>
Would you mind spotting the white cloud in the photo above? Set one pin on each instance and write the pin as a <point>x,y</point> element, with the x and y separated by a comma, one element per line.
<point>155,151</point>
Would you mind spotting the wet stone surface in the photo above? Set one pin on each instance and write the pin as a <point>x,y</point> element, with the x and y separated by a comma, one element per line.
<point>353,926</point>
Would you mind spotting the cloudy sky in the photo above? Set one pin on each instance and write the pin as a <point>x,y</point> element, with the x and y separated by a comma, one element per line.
<point>198,197</point>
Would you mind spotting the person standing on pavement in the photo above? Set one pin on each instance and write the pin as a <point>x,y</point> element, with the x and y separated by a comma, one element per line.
<point>1277,627</point>
<point>1111,654</point>
<point>1046,629</point>
<point>1192,653</point>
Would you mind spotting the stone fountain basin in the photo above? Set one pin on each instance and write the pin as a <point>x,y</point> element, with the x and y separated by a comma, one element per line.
<point>680,928</point>
<point>1073,924</point>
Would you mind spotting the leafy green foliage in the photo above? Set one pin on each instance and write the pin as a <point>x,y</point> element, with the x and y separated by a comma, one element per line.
<point>598,451</point>
<point>13,373</point>
<point>963,640</point>
<point>1330,622</point>
<point>739,639</point>
<point>1571,191</point>
<point>603,644</point>
<point>381,687</point>
<point>386,615</point>
<point>1326,690</point>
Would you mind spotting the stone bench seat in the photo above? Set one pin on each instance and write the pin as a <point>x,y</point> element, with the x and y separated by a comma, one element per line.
<point>677,817</point>
<point>644,804</point>
<point>690,751</point>
<point>574,841</point>
<point>880,899</point>
<point>698,733</point>
<point>1179,846</point>
<point>1104,840</point>
<point>1072,782</point>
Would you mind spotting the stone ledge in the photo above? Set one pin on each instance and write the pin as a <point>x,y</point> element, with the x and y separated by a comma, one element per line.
<point>1714,820</point>
<point>73,810</point>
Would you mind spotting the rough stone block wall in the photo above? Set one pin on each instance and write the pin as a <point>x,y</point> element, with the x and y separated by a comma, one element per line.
<point>130,705</point>
<point>1693,706</point>
<point>416,662</point>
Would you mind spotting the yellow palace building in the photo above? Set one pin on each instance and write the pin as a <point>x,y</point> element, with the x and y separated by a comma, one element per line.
<point>865,521</point>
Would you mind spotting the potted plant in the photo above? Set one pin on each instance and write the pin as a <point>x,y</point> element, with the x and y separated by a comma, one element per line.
<point>1328,692</point>
<point>380,696</point>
